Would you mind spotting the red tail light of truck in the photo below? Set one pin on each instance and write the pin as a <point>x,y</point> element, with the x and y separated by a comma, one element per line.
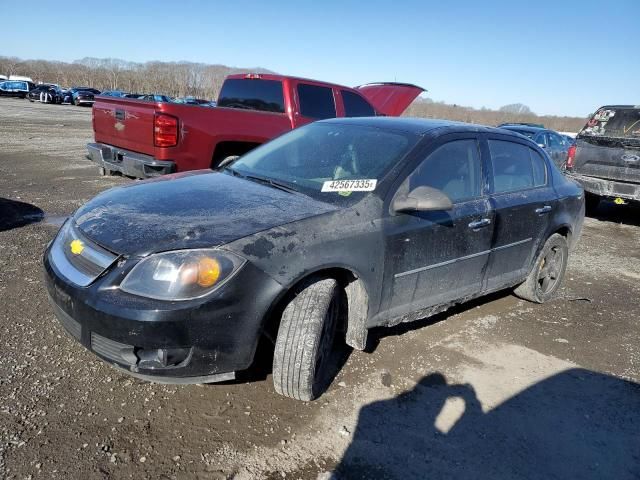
<point>165,130</point>
<point>571,155</point>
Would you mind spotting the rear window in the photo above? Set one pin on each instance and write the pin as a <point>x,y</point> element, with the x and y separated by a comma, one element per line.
<point>316,102</point>
<point>252,94</point>
<point>355,105</point>
<point>614,122</point>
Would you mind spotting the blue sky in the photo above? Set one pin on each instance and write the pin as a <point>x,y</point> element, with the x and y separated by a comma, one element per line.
<point>557,57</point>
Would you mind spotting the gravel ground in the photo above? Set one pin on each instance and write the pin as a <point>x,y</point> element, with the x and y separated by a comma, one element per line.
<point>498,388</point>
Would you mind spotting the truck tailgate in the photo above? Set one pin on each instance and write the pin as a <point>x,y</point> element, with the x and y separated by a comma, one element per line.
<point>124,123</point>
<point>615,162</point>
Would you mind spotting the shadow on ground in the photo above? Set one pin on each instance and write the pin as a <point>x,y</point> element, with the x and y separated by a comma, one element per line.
<point>15,214</point>
<point>608,211</point>
<point>576,424</point>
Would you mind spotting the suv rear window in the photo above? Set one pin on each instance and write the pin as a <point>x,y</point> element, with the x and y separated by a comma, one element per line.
<point>614,122</point>
<point>316,102</point>
<point>252,94</point>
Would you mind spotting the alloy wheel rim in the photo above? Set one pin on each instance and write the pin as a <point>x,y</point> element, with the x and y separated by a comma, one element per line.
<point>550,270</point>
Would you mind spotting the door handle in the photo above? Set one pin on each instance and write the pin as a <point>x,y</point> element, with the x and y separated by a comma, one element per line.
<point>545,209</point>
<point>484,222</point>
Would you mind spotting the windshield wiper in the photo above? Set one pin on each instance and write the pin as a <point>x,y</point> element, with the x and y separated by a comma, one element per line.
<point>274,183</point>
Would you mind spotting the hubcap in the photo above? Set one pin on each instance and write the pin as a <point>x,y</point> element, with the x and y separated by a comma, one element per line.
<point>550,269</point>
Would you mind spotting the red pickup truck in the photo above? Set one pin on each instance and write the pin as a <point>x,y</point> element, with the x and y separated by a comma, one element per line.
<point>145,138</point>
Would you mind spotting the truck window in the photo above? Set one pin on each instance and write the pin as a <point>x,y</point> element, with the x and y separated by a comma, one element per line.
<point>614,122</point>
<point>252,94</point>
<point>316,102</point>
<point>355,105</point>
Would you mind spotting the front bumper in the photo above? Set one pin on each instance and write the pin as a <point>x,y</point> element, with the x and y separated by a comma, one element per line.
<point>607,188</point>
<point>128,163</point>
<point>204,340</point>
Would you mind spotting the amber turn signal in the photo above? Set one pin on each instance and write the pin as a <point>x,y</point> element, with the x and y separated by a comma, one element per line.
<point>208,272</point>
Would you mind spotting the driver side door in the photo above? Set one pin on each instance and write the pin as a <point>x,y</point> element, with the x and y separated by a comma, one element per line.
<point>436,257</point>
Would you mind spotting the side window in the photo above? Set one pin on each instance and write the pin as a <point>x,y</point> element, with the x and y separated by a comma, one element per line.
<point>539,167</point>
<point>541,139</point>
<point>454,168</point>
<point>555,141</point>
<point>316,102</point>
<point>355,105</point>
<point>515,166</point>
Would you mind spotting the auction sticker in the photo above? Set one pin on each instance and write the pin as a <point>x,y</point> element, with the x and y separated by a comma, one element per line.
<point>349,185</point>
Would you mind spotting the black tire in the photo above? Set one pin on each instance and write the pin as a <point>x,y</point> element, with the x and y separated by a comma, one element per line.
<point>547,273</point>
<point>591,203</point>
<point>305,340</point>
<point>105,172</point>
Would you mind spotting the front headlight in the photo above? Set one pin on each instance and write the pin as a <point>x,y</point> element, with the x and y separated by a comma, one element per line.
<point>181,275</point>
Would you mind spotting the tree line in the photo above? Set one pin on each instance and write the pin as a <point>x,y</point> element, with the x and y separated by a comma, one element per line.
<point>179,79</point>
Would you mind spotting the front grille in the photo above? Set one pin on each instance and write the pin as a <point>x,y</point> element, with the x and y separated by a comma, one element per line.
<point>116,351</point>
<point>77,258</point>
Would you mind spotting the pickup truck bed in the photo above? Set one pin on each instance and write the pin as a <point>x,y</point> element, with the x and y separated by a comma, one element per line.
<point>144,139</point>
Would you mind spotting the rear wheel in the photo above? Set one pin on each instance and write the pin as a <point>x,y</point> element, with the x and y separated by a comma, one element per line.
<point>546,276</point>
<point>302,357</point>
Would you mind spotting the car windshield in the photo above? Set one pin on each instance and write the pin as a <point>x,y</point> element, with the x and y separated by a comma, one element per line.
<point>313,159</point>
<point>614,123</point>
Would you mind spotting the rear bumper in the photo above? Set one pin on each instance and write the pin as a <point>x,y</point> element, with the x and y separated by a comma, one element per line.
<point>607,188</point>
<point>128,163</point>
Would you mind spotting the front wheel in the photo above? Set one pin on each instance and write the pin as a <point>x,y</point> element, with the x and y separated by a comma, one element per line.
<point>546,276</point>
<point>302,357</point>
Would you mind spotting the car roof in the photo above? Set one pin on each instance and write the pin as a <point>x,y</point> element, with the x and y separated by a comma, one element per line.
<point>525,128</point>
<point>419,126</point>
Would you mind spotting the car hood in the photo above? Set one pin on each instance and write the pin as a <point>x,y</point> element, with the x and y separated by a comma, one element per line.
<point>189,210</point>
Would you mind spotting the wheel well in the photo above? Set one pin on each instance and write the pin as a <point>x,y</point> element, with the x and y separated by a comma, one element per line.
<point>226,149</point>
<point>355,305</point>
<point>565,232</point>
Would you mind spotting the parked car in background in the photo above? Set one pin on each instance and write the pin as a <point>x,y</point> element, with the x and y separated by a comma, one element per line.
<point>46,93</point>
<point>195,101</point>
<point>144,139</point>
<point>15,88</point>
<point>155,98</point>
<point>82,95</point>
<point>556,145</point>
<point>341,223</point>
<point>113,93</point>
<point>606,157</point>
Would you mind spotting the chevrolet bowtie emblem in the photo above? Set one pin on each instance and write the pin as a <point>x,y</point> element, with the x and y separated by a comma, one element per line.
<point>76,247</point>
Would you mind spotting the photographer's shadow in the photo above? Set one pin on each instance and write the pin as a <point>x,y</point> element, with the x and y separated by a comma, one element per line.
<point>576,424</point>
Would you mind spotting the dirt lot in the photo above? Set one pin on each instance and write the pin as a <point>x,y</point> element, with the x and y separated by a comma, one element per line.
<point>499,388</point>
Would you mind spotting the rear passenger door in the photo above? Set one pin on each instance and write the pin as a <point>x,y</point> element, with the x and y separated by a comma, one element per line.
<point>437,257</point>
<point>523,199</point>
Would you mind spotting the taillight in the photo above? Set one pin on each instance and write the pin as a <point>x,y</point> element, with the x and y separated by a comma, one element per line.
<point>571,155</point>
<point>165,130</point>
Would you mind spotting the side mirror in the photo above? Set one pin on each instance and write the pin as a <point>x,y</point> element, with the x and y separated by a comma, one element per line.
<point>422,199</point>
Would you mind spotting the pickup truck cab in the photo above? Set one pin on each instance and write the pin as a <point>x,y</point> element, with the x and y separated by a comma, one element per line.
<point>606,157</point>
<point>143,139</point>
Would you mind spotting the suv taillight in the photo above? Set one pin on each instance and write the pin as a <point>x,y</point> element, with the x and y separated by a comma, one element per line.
<point>165,130</point>
<point>571,155</point>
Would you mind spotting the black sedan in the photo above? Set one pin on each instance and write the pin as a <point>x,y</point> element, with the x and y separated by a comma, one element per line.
<point>336,227</point>
<point>46,93</point>
<point>555,144</point>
